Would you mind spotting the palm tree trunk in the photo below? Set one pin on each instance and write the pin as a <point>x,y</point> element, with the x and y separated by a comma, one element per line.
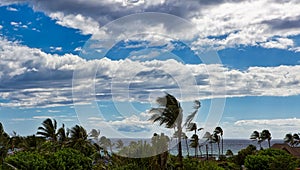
<point>269,143</point>
<point>206,147</point>
<point>179,146</point>
<point>211,150</point>
<point>219,148</point>
<point>200,151</point>
<point>222,146</point>
<point>187,147</point>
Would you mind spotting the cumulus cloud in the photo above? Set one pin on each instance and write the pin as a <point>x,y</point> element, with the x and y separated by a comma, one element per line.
<point>32,78</point>
<point>267,23</point>
<point>277,127</point>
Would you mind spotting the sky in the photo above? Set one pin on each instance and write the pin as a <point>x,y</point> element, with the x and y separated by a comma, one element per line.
<point>102,64</point>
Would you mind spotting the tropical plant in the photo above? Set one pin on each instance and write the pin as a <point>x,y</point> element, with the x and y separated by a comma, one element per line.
<point>219,131</point>
<point>78,140</point>
<point>261,136</point>
<point>48,129</point>
<point>169,113</point>
<point>292,140</point>
<point>4,143</point>
<point>270,159</point>
<point>255,136</point>
<point>119,144</point>
<point>266,135</point>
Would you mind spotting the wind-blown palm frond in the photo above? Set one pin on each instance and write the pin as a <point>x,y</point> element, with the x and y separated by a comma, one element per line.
<point>190,117</point>
<point>48,130</point>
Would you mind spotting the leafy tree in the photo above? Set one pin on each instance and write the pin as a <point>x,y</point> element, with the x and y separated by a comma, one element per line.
<point>239,159</point>
<point>229,153</point>
<point>270,159</point>
<point>68,158</point>
<point>26,160</point>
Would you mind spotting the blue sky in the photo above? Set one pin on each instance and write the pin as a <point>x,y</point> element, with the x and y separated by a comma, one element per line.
<point>102,64</point>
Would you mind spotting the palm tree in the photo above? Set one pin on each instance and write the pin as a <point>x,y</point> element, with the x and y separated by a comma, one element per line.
<point>79,140</point>
<point>289,139</point>
<point>4,140</point>
<point>219,131</point>
<point>95,134</point>
<point>62,134</point>
<point>210,139</point>
<point>48,130</point>
<point>293,140</point>
<point>195,140</point>
<point>266,135</point>
<point>216,139</point>
<point>195,143</point>
<point>256,136</point>
<point>169,113</point>
<point>186,144</point>
<point>119,144</point>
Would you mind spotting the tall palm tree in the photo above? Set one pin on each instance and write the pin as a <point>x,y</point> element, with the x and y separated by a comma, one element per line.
<point>256,136</point>
<point>48,129</point>
<point>195,143</point>
<point>169,113</point>
<point>95,134</point>
<point>266,135</point>
<point>62,134</point>
<point>186,144</point>
<point>79,140</point>
<point>119,144</point>
<point>210,139</point>
<point>219,131</point>
<point>195,139</point>
<point>4,140</point>
<point>293,140</point>
<point>216,139</point>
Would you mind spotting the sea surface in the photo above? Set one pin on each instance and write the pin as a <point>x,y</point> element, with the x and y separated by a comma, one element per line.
<point>235,145</point>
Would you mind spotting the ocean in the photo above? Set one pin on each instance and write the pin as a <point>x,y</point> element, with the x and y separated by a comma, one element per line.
<point>235,145</point>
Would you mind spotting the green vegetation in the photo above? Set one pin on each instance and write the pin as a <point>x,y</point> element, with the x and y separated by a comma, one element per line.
<point>270,159</point>
<point>63,148</point>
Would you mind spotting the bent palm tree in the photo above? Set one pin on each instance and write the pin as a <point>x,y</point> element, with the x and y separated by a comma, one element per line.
<point>48,130</point>
<point>169,113</point>
<point>256,136</point>
<point>266,135</point>
<point>219,131</point>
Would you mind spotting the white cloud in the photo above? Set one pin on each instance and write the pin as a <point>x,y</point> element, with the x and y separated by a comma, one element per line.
<point>11,9</point>
<point>277,127</point>
<point>32,78</point>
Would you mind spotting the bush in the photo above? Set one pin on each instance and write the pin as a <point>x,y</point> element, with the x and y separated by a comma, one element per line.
<point>239,159</point>
<point>68,158</point>
<point>270,159</point>
<point>26,160</point>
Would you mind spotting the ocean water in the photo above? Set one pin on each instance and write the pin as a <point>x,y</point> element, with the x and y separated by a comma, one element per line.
<point>235,145</point>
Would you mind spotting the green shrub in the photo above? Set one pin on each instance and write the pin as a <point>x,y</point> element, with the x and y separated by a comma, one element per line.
<point>26,160</point>
<point>272,159</point>
<point>68,158</point>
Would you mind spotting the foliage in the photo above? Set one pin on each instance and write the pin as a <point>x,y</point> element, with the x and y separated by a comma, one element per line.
<point>68,158</point>
<point>239,159</point>
<point>26,160</point>
<point>194,164</point>
<point>270,159</point>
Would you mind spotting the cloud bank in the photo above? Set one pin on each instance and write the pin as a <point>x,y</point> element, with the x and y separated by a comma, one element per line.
<point>32,78</point>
